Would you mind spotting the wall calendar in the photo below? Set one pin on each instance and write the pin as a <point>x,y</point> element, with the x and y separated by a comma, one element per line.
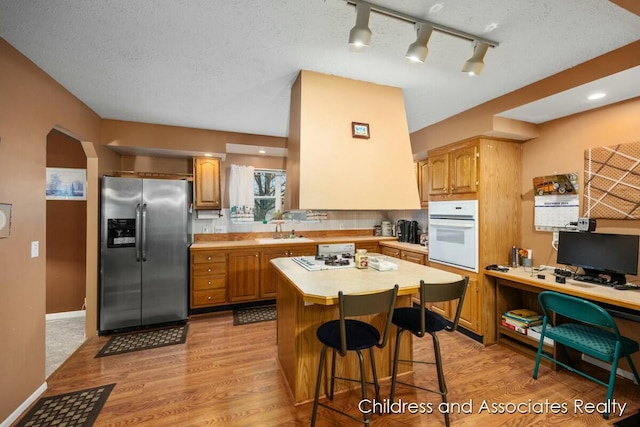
<point>556,201</point>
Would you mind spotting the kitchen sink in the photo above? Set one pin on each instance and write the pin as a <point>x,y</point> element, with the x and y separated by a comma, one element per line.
<point>283,240</point>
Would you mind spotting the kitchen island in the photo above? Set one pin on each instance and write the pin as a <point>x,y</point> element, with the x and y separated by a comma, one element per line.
<point>306,299</point>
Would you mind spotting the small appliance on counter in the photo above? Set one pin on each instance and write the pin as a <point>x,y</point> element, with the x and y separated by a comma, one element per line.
<point>408,231</point>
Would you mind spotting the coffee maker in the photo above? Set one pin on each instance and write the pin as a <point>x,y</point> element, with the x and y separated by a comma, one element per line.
<point>408,231</point>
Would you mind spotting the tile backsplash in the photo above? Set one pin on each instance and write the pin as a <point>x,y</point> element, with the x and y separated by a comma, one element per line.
<point>336,220</point>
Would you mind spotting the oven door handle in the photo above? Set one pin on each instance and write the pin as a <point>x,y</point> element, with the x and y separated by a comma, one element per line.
<point>452,223</point>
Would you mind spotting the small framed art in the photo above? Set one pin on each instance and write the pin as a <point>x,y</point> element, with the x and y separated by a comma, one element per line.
<point>66,184</point>
<point>5,219</point>
<point>360,130</point>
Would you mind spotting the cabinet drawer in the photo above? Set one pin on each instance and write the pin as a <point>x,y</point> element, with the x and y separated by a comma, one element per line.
<point>209,297</point>
<point>216,281</point>
<point>209,269</point>
<point>204,257</point>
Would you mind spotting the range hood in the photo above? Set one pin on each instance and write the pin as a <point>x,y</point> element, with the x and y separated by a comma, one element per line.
<point>328,167</point>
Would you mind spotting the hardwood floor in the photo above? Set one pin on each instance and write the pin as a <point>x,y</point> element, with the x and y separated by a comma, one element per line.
<point>226,375</point>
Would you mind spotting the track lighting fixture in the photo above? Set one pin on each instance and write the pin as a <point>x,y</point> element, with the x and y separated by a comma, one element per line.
<point>360,34</point>
<point>418,50</point>
<point>475,64</point>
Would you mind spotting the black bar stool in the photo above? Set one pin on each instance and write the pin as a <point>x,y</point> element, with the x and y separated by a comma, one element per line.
<point>420,320</point>
<point>346,335</point>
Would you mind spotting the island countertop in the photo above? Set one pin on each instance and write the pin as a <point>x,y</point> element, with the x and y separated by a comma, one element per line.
<point>322,287</point>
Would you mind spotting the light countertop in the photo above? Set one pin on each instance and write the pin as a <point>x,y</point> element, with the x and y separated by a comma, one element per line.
<point>253,243</point>
<point>322,287</point>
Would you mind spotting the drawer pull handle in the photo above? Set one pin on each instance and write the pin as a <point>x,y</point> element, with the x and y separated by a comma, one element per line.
<point>209,297</point>
<point>208,258</point>
<point>209,282</point>
<point>209,270</point>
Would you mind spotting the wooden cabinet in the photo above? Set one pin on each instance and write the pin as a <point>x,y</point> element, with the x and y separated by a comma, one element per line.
<point>404,254</point>
<point>243,267</point>
<point>371,247</point>
<point>469,316</point>
<point>415,257</point>
<point>208,278</point>
<point>422,175</point>
<point>453,171</point>
<point>268,275</point>
<point>206,183</point>
<point>487,170</point>
<point>388,251</point>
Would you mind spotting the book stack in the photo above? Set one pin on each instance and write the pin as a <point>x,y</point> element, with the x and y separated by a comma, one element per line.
<point>520,320</point>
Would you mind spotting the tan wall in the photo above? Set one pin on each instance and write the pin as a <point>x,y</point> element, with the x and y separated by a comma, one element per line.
<point>66,232</point>
<point>30,106</point>
<point>117,133</point>
<point>338,171</point>
<point>560,148</point>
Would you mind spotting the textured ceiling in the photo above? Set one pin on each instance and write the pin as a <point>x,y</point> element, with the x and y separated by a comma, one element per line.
<point>229,65</point>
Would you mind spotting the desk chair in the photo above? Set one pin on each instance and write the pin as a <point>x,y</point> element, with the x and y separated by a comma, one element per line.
<point>346,335</point>
<point>420,321</point>
<point>590,330</point>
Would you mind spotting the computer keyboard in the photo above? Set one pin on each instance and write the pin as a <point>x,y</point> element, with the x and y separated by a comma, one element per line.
<point>590,279</point>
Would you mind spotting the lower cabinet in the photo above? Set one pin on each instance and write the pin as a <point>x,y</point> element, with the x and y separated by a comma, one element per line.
<point>470,316</point>
<point>415,257</point>
<point>371,247</point>
<point>224,276</point>
<point>268,276</point>
<point>208,278</point>
<point>243,275</point>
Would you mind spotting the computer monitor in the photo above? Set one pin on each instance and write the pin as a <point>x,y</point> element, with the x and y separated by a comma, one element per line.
<point>598,254</point>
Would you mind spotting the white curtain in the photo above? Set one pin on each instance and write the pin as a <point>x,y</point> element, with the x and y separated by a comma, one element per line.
<point>241,193</point>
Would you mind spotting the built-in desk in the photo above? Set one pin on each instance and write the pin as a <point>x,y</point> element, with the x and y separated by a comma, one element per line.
<point>519,289</point>
<point>306,299</point>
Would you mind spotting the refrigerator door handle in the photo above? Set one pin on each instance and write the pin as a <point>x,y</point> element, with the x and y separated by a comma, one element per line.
<point>138,232</point>
<point>144,232</point>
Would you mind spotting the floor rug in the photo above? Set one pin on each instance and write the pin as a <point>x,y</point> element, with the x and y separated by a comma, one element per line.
<point>75,409</point>
<point>632,421</point>
<point>144,340</point>
<point>242,316</point>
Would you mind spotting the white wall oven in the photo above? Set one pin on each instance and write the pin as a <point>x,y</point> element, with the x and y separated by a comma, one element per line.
<point>453,233</point>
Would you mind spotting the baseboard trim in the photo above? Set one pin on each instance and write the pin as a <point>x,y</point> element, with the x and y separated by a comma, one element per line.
<point>24,406</point>
<point>607,367</point>
<point>65,315</point>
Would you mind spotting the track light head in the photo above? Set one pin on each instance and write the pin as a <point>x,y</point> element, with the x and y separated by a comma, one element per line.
<point>418,50</point>
<point>475,64</point>
<point>360,34</point>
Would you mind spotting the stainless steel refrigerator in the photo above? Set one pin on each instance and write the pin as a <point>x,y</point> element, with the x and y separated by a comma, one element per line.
<point>144,252</point>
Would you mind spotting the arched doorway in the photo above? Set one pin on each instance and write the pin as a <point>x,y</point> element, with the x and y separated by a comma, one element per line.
<point>71,250</point>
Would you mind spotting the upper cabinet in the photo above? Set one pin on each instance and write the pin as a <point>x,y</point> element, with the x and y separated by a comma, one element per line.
<point>453,169</point>
<point>422,175</point>
<point>206,183</point>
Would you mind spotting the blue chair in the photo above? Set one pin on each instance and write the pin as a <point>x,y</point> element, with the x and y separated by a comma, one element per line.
<point>344,335</point>
<point>420,321</point>
<point>589,329</point>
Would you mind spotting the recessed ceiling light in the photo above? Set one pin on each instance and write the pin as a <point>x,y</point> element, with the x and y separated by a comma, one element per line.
<point>262,151</point>
<point>208,155</point>
<point>596,96</point>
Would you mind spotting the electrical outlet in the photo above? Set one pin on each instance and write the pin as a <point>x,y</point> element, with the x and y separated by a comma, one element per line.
<point>205,229</point>
<point>556,236</point>
<point>220,229</point>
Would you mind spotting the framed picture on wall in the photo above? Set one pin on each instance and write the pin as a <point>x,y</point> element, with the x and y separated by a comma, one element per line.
<point>66,184</point>
<point>360,130</point>
<point>5,219</point>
